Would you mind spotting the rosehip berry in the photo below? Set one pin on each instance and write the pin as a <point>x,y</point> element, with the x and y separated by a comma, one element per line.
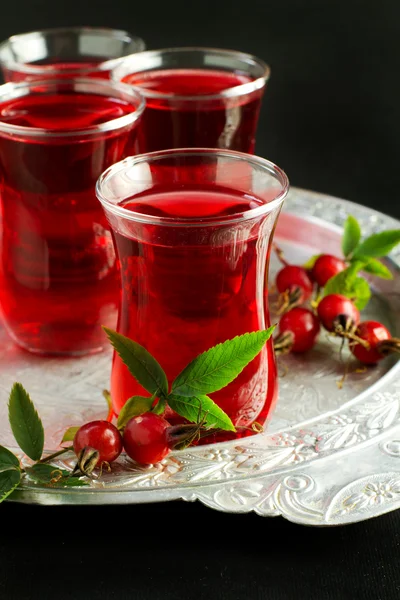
<point>325,267</point>
<point>146,438</point>
<point>338,313</point>
<point>102,436</point>
<point>299,329</point>
<point>375,334</point>
<point>294,279</point>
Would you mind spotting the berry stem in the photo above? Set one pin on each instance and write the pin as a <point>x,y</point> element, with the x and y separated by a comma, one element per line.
<point>110,414</point>
<point>181,436</point>
<point>340,382</point>
<point>58,453</point>
<point>353,338</point>
<point>288,299</point>
<point>280,255</point>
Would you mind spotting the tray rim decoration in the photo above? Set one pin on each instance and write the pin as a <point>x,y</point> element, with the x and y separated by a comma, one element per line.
<point>339,467</point>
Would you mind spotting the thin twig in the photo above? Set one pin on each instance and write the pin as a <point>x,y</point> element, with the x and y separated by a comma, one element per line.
<point>58,453</point>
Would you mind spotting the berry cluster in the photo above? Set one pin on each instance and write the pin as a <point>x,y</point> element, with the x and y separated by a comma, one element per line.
<point>326,292</point>
<point>146,439</point>
<point>299,326</point>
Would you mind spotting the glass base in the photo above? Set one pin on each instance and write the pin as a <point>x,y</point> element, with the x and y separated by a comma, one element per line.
<point>47,351</point>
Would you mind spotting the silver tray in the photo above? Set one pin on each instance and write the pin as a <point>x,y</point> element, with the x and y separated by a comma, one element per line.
<point>327,457</point>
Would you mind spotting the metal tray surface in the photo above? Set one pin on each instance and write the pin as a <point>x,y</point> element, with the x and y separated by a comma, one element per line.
<point>328,456</point>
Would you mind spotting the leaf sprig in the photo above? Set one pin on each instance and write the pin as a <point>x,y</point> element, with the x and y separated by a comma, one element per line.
<point>361,256</point>
<point>189,394</point>
<point>28,432</point>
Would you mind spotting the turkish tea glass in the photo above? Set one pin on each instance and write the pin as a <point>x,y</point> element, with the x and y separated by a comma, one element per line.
<point>193,229</point>
<point>58,273</point>
<point>197,97</point>
<point>66,52</point>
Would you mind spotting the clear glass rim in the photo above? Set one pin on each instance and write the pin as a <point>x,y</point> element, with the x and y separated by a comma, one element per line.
<point>107,65</point>
<point>124,68</point>
<point>253,213</point>
<point>9,91</point>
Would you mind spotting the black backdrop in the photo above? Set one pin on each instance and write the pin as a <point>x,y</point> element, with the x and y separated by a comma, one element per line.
<point>331,119</point>
<point>331,116</point>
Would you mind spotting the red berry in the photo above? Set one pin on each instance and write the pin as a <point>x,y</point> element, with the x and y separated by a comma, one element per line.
<point>102,436</point>
<point>374,333</point>
<point>304,327</point>
<point>145,438</point>
<point>291,277</point>
<point>336,310</point>
<point>325,267</point>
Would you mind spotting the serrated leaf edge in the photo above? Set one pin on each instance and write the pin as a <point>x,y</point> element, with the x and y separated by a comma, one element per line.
<point>350,219</point>
<point>268,332</point>
<point>14,427</point>
<point>186,400</point>
<point>122,338</point>
<point>7,493</point>
<point>359,251</point>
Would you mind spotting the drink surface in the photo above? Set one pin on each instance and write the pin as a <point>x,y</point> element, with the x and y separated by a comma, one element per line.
<point>200,202</point>
<point>187,82</point>
<point>58,267</point>
<point>185,289</point>
<point>62,111</point>
<point>171,121</point>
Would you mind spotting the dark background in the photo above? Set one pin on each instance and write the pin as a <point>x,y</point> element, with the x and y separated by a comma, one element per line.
<point>331,119</point>
<point>331,116</point>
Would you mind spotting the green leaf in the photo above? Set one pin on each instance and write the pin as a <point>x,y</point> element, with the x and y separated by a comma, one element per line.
<point>141,364</point>
<point>343,282</point>
<point>70,482</point>
<point>348,284</point>
<point>197,408</point>
<point>69,434</point>
<point>52,476</point>
<point>378,244</point>
<point>218,366</point>
<point>137,405</point>
<point>9,480</point>
<point>25,422</point>
<point>44,473</point>
<point>376,267</point>
<point>362,293</point>
<point>311,262</point>
<point>351,235</point>
<point>159,408</point>
<point>8,460</point>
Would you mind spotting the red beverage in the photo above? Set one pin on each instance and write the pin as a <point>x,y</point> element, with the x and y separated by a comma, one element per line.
<point>196,97</point>
<point>193,231</point>
<point>185,290</point>
<point>215,122</point>
<point>59,279</point>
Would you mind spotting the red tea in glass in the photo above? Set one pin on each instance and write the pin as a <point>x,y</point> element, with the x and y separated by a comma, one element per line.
<point>66,52</point>
<point>59,279</point>
<point>196,97</point>
<point>192,230</point>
